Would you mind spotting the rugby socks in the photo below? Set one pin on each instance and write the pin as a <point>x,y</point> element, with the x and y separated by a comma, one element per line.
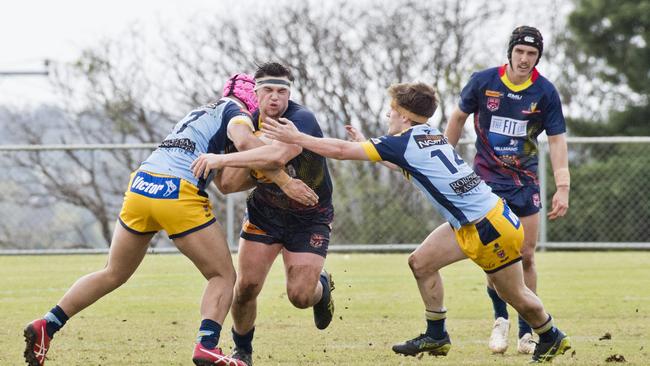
<point>325,298</point>
<point>436,323</point>
<point>547,332</point>
<point>209,333</point>
<point>56,319</point>
<point>524,327</point>
<point>500,306</point>
<point>244,342</point>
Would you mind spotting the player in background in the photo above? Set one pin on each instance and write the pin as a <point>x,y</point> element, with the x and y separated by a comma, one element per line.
<point>163,194</point>
<point>480,225</point>
<point>512,104</point>
<point>275,225</point>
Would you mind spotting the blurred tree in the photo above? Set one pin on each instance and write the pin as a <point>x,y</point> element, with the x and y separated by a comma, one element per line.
<point>343,54</point>
<point>607,51</point>
<point>608,41</point>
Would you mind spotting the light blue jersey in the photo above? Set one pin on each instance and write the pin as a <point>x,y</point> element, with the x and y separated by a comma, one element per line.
<point>438,171</point>
<point>203,130</point>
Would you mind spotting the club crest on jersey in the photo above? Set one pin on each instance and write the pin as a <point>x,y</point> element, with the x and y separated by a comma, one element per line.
<point>536,201</point>
<point>533,109</point>
<point>493,104</point>
<point>155,187</point>
<point>317,240</point>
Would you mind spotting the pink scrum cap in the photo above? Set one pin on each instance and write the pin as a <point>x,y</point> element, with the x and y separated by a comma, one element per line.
<point>242,86</point>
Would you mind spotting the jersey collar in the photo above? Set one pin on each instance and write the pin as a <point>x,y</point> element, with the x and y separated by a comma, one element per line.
<point>517,88</point>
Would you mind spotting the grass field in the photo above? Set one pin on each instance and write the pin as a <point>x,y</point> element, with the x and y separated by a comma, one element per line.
<point>153,319</point>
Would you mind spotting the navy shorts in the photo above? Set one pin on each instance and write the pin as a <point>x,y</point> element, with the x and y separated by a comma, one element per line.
<point>522,200</point>
<point>297,234</point>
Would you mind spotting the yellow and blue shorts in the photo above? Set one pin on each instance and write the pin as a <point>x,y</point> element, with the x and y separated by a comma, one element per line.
<point>495,241</point>
<point>154,202</point>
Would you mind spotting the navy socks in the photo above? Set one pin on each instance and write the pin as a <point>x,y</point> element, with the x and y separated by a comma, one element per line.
<point>209,333</point>
<point>56,319</point>
<point>245,341</point>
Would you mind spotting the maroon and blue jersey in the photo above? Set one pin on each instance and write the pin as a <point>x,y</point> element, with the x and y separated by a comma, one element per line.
<point>307,166</point>
<point>507,119</point>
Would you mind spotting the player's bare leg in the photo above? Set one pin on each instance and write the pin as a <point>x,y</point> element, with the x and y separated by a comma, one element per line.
<point>499,337</point>
<point>125,255</point>
<point>208,250</point>
<point>509,283</point>
<point>254,262</point>
<point>309,286</point>
<point>525,343</point>
<point>438,250</point>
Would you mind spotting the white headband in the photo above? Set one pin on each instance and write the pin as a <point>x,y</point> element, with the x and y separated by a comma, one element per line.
<point>277,81</point>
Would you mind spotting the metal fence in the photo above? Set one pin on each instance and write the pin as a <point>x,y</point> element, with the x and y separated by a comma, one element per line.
<point>66,199</point>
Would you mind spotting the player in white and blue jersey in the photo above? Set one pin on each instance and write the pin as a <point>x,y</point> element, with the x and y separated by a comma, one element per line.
<point>512,104</point>
<point>163,194</point>
<point>480,226</point>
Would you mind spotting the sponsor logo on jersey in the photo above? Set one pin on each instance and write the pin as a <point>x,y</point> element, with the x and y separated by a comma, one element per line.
<point>513,146</point>
<point>493,104</point>
<point>184,144</point>
<point>376,140</point>
<point>155,187</point>
<point>465,184</point>
<point>425,141</point>
<point>514,96</point>
<point>493,93</point>
<point>508,126</point>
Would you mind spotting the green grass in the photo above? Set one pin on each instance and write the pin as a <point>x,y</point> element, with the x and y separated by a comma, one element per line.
<point>153,319</point>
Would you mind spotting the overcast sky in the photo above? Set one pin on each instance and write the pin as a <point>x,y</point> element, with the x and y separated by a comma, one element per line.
<point>32,31</point>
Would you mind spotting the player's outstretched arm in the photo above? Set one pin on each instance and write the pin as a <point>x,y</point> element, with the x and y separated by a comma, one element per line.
<point>284,130</point>
<point>356,135</point>
<point>265,157</point>
<point>295,189</point>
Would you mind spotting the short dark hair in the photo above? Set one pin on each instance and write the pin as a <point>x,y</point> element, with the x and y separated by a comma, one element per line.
<point>419,98</point>
<point>273,69</point>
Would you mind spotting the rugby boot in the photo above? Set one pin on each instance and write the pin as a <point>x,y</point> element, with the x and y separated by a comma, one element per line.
<point>242,355</point>
<point>526,344</point>
<point>424,343</point>
<point>547,351</point>
<point>499,336</point>
<point>324,309</point>
<point>37,342</point>
<point>213,356</point>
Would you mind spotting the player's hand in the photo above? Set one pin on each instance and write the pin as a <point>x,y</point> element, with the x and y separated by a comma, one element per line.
<point>560,203</point>
<point>202,165</point>
<point>297,190</point>
<point>282,130</point>
<point>354,134</point>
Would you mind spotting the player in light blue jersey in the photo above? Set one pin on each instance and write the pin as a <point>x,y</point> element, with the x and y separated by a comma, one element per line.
<point>512,104</point>
<point>163,194</point>
<point>480,225</point>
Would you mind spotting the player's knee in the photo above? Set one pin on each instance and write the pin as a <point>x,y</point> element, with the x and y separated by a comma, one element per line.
<point>245,291</point>
<point>114,278</point>
<point>299,299</point>
<point>226,275</point>
<point>528,258</point>
<point>419,266</point>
